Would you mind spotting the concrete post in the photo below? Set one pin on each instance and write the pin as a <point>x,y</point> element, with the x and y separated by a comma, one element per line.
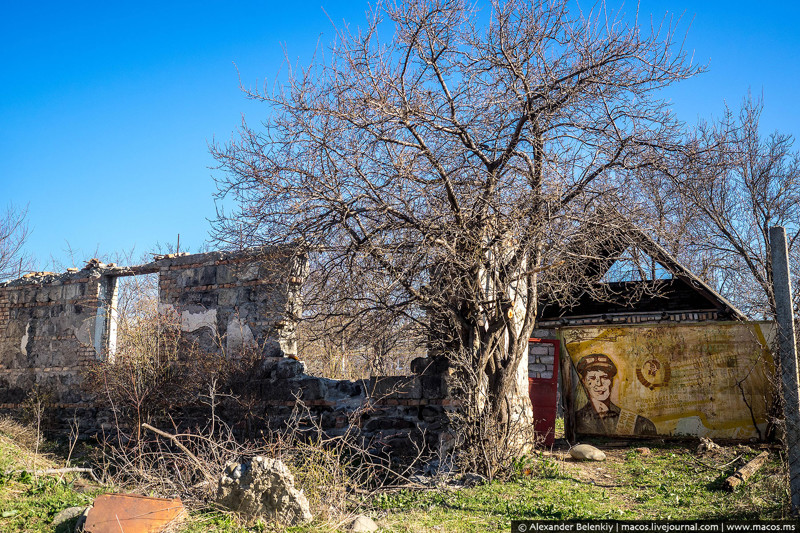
<point>787,349</point>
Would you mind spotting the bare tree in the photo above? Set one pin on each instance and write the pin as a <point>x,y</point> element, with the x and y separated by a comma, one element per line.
<point>437,160</point>
<point>13,234</point>
<point>735,184</point>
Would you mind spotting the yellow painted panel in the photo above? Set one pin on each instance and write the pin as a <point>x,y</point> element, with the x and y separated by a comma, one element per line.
<point>709,379</point>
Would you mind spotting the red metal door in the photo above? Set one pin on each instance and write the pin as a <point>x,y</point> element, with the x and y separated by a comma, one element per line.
<point>543,386</point>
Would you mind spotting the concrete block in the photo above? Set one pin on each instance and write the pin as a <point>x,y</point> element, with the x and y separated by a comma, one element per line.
<point>539,349</point>
<point>547,359</point>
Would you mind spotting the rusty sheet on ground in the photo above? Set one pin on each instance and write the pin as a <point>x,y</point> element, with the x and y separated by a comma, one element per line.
<point>130,513</point>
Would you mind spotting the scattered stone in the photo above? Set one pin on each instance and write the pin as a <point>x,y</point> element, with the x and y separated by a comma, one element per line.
<point>707,445</point>
<point>472,480</point>
<point>363,524</point>
<point>643,451</point>
<point>264,487</point>
<point>67,514</point>
<point>586,452</point>
<point>420,479</point>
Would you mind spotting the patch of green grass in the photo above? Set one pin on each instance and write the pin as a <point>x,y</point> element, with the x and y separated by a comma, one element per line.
<point>29,504</point>
<point>668,484</point>
<point>673,484</point>
<point>492,507</point>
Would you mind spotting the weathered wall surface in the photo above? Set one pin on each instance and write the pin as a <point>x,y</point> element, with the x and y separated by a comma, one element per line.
<point>47,333</point>
<point>53,326</point>
<point>235,300</point>
<point>708,379</point>
<point>397,415</point>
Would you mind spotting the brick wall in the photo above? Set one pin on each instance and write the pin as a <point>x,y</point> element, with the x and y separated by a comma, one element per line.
<point>53,326</point>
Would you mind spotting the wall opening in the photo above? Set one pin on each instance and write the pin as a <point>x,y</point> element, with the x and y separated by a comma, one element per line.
<point>132,305</point>
<point>339,351</point>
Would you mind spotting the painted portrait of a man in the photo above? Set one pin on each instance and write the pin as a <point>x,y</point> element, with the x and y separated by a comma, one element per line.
<point>600,416</point>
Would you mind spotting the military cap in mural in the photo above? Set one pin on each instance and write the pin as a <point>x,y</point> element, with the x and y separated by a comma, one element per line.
<point>597,361</point>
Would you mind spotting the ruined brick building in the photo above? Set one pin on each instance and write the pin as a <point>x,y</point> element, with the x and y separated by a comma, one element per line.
<point>55,327</point>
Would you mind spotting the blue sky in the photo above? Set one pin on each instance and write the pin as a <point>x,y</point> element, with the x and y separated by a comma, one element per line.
<point>107,108</point>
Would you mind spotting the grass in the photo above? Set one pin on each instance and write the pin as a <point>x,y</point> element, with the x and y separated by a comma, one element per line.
<point>665,482</point>
<point>668,483</point>
<point>28,503</point>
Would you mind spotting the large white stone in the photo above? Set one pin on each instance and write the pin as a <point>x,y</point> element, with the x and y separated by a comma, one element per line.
<point>363,524</point>
<point>264,487</point>
<point>586,452</point>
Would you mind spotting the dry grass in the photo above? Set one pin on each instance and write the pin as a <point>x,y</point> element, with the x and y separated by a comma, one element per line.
<point>18,444</point>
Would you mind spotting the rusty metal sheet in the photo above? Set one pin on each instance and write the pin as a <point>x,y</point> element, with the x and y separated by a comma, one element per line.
<point>710,379</point>
<point>130,513</point>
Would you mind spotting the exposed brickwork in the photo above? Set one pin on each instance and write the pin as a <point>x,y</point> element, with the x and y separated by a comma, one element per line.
<point>52,326</point>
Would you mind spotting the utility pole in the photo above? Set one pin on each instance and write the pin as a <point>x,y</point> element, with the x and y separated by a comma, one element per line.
<point>787,349</point>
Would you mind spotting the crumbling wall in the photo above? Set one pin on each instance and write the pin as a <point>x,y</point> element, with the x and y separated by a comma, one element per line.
<point>395,415</point>
<point>48,333</point>
<point>53,326</point>
<point>235,300</point>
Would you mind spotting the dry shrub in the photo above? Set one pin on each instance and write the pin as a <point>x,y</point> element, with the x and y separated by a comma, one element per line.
<point>157,370</point>
<point>160,377</point>
<point>334,472</point>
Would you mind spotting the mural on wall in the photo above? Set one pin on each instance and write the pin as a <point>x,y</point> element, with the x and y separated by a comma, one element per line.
<point>710,379</point>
